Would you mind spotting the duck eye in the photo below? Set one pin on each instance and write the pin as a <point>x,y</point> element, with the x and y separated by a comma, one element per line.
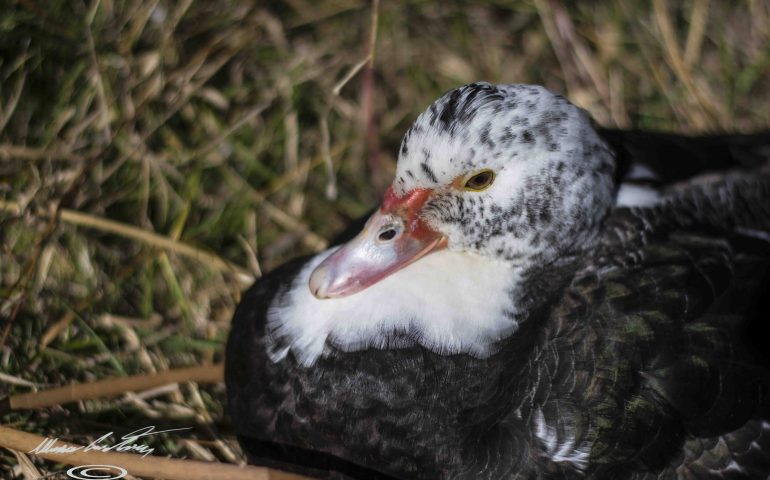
<point>480,181</point>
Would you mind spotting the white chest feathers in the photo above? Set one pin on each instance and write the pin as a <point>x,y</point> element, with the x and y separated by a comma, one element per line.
<point>448,302</point>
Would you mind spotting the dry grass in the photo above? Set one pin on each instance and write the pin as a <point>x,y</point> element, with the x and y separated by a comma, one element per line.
<point>155,154</point>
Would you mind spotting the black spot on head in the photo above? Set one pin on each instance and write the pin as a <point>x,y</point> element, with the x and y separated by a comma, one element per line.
<point>507,136</point>
<point>433,109</point>
<point>450,108</point>
<point>520,121</point>
<point>527,137</point>
<point>428,172</point>
<point>460,106</point>
<point>545,213</point>
<point>535,239</point>
<point>484,134</point>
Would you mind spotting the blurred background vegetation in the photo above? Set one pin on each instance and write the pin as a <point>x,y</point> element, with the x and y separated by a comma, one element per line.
<point>156,156</point>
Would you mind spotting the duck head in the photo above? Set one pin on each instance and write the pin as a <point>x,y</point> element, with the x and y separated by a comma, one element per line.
<point>513,173</point>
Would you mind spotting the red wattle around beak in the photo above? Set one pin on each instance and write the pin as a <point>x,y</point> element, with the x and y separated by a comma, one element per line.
<point>392,238</point>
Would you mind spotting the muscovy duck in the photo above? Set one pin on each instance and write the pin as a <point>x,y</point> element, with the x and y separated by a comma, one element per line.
<point>534,298</point>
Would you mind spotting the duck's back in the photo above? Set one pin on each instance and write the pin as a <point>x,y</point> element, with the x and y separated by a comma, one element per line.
<point>667,382</point>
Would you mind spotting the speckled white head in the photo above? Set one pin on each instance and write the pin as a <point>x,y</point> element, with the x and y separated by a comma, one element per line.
<point>491,180</point>
<point>553,174</point>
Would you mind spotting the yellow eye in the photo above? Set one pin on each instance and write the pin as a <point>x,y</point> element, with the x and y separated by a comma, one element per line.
<point>480,181</point>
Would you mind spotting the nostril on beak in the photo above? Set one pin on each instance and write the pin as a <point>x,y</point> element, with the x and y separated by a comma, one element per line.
<point>387,235</point>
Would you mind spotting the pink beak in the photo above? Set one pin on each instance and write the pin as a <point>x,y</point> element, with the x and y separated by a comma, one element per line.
<point>392,238</point>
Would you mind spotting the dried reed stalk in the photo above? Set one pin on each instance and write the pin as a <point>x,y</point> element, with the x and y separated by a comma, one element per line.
<point>112,387</point>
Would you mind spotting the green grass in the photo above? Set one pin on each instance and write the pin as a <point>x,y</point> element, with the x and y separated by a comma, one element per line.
<point>202,123</point>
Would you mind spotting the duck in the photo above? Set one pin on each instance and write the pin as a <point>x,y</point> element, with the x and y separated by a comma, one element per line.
<point>535,297</point>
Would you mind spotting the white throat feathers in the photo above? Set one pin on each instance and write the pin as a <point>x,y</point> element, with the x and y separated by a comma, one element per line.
<point>448,302</point>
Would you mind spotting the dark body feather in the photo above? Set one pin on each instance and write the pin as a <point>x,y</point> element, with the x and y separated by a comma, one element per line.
<point>638,350</point>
